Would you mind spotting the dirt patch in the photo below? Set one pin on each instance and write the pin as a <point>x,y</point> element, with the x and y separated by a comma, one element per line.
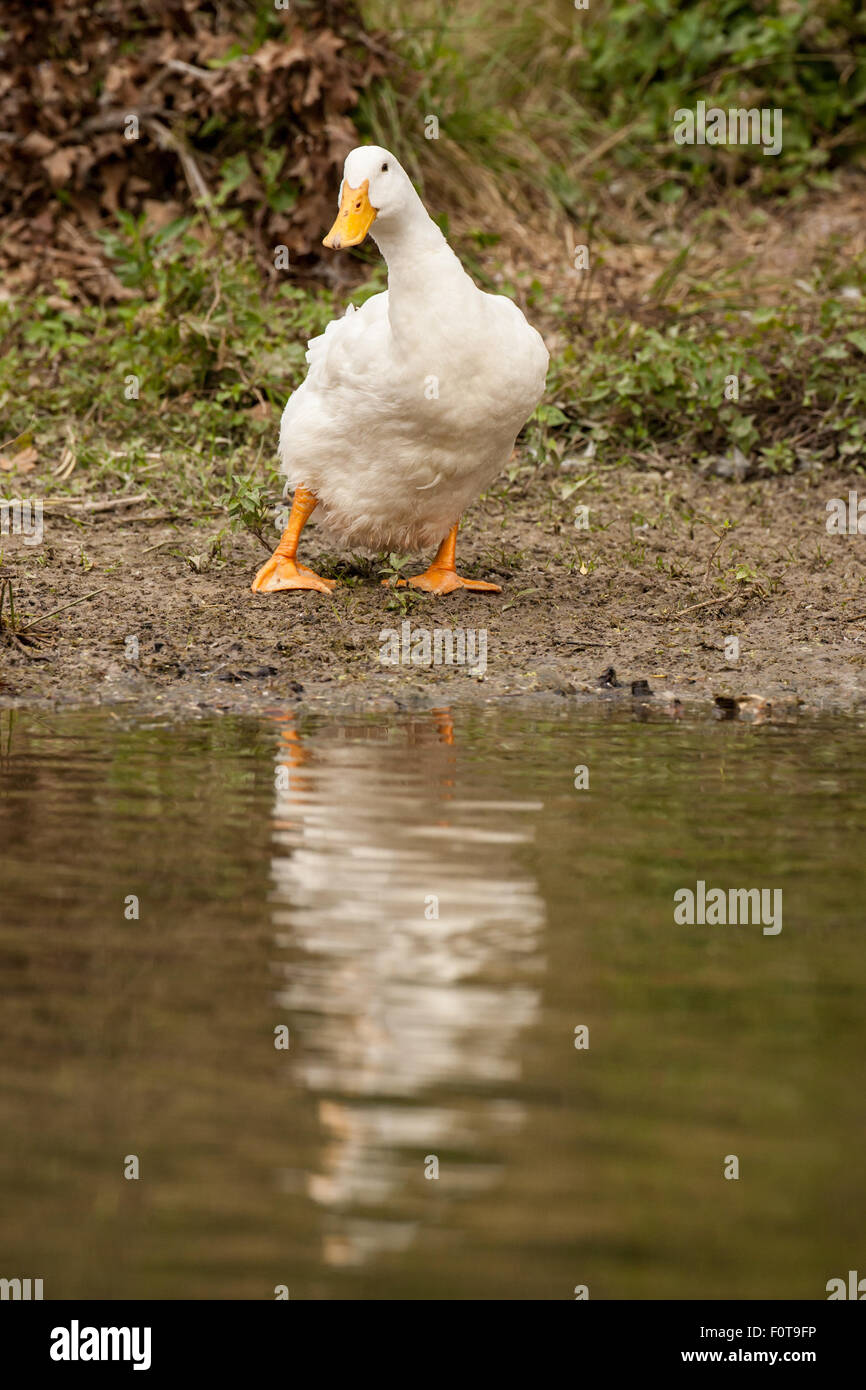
<point>654,589</point>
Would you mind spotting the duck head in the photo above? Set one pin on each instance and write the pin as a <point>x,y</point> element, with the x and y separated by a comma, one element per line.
<point>375,185</point>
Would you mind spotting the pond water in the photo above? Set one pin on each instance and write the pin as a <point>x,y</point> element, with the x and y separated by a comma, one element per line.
<point>426,909</point>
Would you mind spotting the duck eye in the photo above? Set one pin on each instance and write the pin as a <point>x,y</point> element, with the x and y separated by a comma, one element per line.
<point>384,168</point>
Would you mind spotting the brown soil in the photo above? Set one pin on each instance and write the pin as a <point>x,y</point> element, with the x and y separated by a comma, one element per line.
<point>206,642</point>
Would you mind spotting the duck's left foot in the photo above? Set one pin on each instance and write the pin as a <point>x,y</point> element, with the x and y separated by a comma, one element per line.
<point>436,580</point>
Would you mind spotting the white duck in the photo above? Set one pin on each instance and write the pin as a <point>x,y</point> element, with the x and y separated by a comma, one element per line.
<point>412,404</point>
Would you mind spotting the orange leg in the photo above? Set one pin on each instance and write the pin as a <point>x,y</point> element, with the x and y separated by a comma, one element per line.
<point>441,577</point>
<point>282,571</point>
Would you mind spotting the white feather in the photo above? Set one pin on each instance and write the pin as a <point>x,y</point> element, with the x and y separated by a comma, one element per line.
<point>412,404</point>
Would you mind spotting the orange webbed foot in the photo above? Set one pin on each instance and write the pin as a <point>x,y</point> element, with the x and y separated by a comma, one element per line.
<point>436,580</point>
<point>441,577</point>
<point>281,573</point>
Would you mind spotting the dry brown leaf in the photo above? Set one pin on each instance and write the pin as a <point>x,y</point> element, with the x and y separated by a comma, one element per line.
<point>22,462</point>
<point>59,166</point>
<point>37,144</point>
<point>77,78</point>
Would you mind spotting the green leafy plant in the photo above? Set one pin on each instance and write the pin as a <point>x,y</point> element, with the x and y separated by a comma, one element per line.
<point>249,505</point>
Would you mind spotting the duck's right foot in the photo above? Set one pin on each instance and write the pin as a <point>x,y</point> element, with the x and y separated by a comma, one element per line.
<point>281,573</point>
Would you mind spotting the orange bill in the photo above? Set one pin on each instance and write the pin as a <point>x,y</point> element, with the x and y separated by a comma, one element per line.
<point>354,220</point>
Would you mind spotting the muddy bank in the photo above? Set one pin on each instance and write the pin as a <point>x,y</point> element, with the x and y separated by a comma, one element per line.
<point>702,589</point>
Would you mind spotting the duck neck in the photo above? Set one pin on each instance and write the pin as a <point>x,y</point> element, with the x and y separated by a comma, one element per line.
<point>420,263</point>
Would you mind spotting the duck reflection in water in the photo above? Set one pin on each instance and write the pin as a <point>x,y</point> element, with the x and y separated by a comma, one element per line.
<point>409,933</point>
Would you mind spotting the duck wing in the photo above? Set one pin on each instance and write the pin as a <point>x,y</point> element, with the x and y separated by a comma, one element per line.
<point>351,347</point>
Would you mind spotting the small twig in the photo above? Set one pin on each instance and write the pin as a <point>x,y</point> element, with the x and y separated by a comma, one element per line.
<point>6,584</point>
<point>116,502</point>
<point>14,439</point>
<point>168,140</point>
<point>151,516</point>
<point>176,65</point>
<point>713,556</point>
<point>65,467</point>
<point>725,598</point>
<point>44,617</point>
<point>110,120</point>
<point>607,144</point>
<point>109,505</point>
<point>216,301</point>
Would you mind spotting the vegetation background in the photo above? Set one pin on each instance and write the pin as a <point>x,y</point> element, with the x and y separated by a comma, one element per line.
<point>155,256</point>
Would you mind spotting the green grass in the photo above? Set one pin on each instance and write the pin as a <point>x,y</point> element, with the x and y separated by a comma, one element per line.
<point>527,97</point>
<point>634,389</point>
<point>561,103</point>
<point>208,348</point>
<point>202,342</point>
